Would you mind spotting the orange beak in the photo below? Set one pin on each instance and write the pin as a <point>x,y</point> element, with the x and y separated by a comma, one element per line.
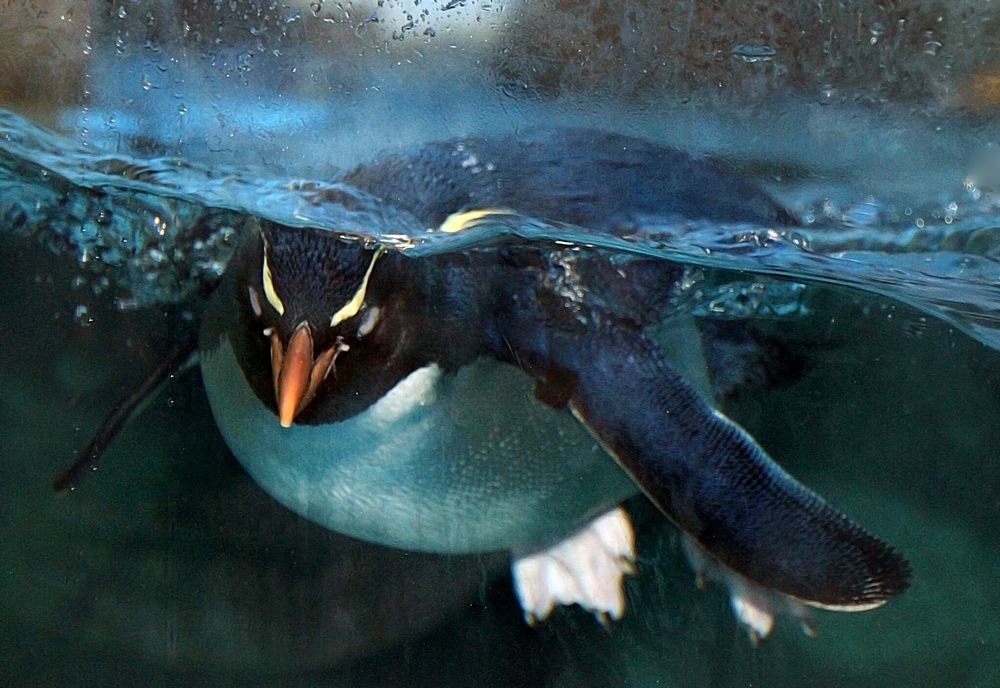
<point>296,375</point>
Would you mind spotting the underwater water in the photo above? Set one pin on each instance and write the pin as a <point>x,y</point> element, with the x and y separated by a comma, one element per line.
<point>169,566</point>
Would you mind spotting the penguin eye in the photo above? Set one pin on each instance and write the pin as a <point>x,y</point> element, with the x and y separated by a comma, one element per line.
<point>255,304</point>
<point>369,322</point>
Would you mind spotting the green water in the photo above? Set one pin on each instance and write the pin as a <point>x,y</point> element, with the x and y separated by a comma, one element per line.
<point>169,566</point>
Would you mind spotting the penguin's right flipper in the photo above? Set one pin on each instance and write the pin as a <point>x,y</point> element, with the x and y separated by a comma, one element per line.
<point>711,478</point>
<point>742,359</point>
<point>183,356</point>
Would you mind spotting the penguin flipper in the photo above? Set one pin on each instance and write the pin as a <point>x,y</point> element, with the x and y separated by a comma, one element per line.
<point>714,481</point>
<point>181,358</point>
<point>741,359</point>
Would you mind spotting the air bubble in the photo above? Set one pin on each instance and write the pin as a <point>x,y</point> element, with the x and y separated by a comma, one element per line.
<point>82,316</point>
<point>753,53</point>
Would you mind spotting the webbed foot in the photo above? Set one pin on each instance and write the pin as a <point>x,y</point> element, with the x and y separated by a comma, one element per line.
<point>587,568</point>
<point>756,607</point>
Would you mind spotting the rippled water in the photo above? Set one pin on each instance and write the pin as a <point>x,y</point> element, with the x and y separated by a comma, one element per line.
<point>160,230</point>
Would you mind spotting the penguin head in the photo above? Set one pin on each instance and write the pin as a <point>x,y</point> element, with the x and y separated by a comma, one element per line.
<point>308,293</point>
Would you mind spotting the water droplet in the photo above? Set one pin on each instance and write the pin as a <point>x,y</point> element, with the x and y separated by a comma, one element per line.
<point>866,214</point>
<point>753,53</point>
<point>82,316</point>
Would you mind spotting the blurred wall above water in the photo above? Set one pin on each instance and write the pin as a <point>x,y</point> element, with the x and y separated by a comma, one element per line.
<point>931,53</point>
<point>306,88</point>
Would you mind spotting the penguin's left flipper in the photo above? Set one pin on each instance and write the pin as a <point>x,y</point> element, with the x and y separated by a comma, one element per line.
<point>710,476</point>
<point>180,359</point>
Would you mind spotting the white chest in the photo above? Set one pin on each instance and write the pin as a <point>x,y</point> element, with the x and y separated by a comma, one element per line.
<point>448,463</point>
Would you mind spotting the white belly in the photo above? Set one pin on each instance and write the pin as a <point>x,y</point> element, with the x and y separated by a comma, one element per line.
<point>447,463</point>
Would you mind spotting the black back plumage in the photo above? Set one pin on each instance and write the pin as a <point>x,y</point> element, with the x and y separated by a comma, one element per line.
<point>582,176</point>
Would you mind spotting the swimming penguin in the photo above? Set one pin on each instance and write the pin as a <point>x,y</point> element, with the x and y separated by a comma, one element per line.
<point>509,396</point>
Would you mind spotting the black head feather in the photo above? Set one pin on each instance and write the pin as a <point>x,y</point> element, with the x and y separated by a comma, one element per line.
<point>313,273</point>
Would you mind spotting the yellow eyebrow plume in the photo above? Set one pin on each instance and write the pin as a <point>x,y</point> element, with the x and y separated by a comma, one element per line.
<point>351,308</point>
<point>269,292</point>
<point>457,222</point>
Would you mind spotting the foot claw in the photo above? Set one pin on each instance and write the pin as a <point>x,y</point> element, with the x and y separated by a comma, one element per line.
<point>753,605</point>
<point>587,568</point>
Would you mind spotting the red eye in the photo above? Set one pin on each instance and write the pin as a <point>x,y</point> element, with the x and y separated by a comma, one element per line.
<point>255,301</point>
<point>369,322</point>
